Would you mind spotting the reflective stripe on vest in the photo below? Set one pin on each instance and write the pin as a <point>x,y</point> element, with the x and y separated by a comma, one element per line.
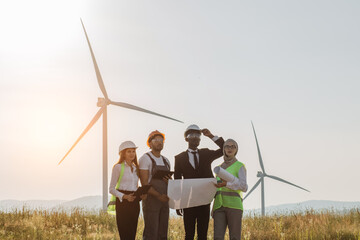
<point>111,205</point>
<point>233,194</point>
<point>226,197</point>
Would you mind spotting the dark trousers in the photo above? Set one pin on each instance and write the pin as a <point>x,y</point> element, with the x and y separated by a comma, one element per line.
<point>199,215</point>
<point>127,215</point>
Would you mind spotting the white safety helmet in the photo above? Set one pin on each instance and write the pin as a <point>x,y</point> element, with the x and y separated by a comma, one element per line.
<point>192,127</point>
<point>127,144</point>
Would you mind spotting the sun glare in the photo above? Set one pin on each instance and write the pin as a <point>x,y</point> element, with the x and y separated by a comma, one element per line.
<point>48,129</point>
<point>33,23</point>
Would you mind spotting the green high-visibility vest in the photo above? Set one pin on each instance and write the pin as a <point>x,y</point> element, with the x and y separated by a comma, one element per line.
<point>111,205</point>
<point>226,197</point>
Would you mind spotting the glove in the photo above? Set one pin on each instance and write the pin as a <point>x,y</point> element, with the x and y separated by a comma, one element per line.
<point>179,212</point>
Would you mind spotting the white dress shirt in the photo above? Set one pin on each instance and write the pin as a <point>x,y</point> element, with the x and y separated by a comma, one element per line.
<point>191,156</point>
<point>129,181</point>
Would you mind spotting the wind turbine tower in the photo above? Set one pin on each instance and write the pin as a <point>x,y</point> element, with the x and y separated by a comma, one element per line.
<point>103,103</point>
<point>262,176</point>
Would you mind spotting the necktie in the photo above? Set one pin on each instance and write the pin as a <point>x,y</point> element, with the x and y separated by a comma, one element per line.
<point>196,160</point>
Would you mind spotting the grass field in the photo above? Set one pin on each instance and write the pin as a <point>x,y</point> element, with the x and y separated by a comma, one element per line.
<point>28,224</point>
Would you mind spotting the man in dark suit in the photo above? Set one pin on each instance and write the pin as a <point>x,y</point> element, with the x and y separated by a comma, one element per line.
<point>196,163</point>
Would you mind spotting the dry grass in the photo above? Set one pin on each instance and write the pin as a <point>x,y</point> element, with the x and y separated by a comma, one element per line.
<point>309,225</point>
<point>27,224</point>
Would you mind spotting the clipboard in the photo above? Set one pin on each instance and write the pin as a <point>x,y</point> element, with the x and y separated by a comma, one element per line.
<point>160,174</point>
<point>142,190</point>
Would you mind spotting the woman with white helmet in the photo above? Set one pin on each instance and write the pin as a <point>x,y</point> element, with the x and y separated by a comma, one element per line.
<point>124,182</point>
<point>228,206</point>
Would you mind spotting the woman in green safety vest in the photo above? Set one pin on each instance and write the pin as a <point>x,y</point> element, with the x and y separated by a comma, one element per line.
<point>228,207</point>
<point>124,182</point>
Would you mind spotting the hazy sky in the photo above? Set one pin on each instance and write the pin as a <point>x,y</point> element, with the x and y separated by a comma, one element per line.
<point>292,67</point>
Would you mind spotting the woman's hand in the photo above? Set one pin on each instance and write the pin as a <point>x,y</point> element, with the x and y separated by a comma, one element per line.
<point>129,197</point>
<point>220,184</point>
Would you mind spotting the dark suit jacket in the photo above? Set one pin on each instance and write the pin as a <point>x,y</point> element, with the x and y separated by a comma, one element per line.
<point>183,168</point>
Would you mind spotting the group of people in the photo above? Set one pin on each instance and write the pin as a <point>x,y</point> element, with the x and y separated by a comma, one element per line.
<point>193,163</point>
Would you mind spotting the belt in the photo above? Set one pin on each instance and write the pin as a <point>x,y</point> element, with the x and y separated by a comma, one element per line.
<point>125,192</point>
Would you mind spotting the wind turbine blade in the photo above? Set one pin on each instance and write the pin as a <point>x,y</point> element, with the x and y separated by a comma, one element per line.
<point>258,149</point>
<point>126,105</point>
<point>97,71</point>
<point>92,122</point>
<point>284,181</point>
<point>253,188</point>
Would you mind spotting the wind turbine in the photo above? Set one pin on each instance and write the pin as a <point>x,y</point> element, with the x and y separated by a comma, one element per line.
<point>262,175</point>
<point>102,103</point>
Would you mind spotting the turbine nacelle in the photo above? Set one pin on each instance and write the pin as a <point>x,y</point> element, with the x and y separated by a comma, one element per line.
<point>103,102</point>
<point>260,174</point>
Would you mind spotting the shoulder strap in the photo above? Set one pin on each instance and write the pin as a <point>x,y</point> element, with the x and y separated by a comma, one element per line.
<point>122,166</point>
<point>153,162</point>
<point>165,162</point>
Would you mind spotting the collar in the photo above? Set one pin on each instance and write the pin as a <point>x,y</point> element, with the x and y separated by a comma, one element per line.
<point>193,151</point>
<point>126,164</point>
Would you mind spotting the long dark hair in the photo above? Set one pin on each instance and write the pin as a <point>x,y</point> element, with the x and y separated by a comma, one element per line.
<point>135,161</point>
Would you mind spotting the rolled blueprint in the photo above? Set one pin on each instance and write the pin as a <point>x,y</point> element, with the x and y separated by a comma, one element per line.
<point>223,174</point>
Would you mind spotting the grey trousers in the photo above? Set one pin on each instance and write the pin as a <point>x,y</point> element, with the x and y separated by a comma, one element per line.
<point>156,219</point>
<point>230,217</point>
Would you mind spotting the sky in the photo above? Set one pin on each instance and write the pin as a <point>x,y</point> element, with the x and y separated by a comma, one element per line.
<point>291,67</point>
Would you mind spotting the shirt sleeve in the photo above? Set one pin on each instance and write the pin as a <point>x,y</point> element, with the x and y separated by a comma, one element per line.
<point>240,182</point>
<point>145,163</point>
<point>215,138</point>
<point>114,180</point>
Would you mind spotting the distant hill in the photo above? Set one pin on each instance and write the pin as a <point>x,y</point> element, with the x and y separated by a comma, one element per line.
<point>94,203</point>
<point>90,203</point>
<point>12,205</point>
